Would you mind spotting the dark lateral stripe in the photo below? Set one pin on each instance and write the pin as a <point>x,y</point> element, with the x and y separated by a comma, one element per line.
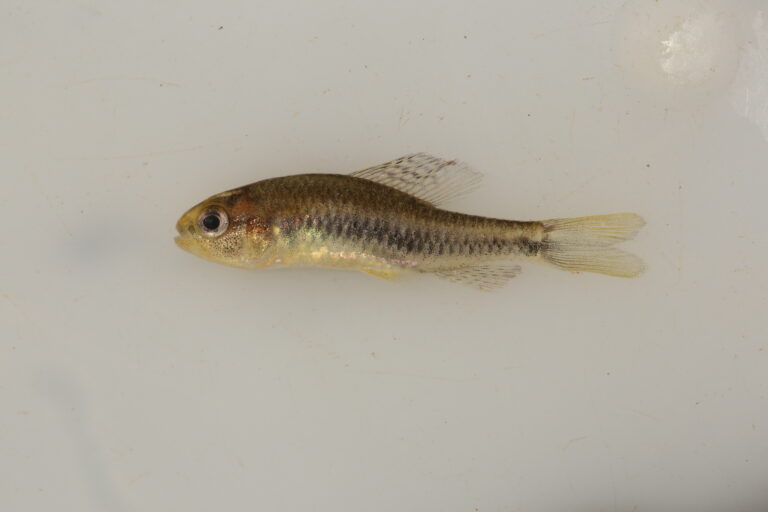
<point>381,232</point>
<point>527,247</point>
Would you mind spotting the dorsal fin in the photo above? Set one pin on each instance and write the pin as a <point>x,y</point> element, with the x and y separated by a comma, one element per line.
<point>427,177</point>
<point>485,276</point>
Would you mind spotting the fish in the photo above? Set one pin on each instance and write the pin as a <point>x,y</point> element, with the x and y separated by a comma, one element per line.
<point>388,221</point>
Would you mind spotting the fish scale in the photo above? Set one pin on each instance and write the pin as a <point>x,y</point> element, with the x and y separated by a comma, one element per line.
<point>414,230</point>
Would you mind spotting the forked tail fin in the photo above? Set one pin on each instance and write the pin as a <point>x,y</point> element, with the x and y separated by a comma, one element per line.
<point>586,244</point>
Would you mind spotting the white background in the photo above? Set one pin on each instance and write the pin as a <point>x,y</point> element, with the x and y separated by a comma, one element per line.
<point>134,376</point>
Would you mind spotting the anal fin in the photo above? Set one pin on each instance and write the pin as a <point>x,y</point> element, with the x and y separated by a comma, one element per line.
<point>489,276</point>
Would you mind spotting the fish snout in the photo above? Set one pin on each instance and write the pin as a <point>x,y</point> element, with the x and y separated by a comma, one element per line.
<point>185,231</point>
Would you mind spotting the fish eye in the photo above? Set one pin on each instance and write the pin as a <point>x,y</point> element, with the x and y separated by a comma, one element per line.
<point>213,222</point>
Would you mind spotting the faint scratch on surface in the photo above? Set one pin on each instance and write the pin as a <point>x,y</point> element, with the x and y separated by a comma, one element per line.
<point>90,459</point>
<point>569,28</point>
<point>672,264</point>
<point>573,441</point>
<point>141,476</point>
<point>418,376</point>
<point>137,155</point>
<point>586,183</point>
<point>645,414</point>
<point>31,322</point>
<point>749,94</point>
<point>44,191</point>
<point>404,118</point>
<point>680,233</point>
<point>162,83</point>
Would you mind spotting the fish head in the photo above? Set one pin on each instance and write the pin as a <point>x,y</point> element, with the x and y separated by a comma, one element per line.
<point>227,228</point>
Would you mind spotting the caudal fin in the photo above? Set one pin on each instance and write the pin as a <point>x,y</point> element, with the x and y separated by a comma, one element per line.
<point>586,244</point>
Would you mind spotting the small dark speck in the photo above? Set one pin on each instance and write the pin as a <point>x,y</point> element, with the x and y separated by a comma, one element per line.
<point>221,27</point>
<point>529,115</point>
<point>465,36</point>
<point>648,166</point>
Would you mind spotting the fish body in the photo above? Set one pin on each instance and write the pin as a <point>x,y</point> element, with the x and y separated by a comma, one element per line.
<point>386,220</point>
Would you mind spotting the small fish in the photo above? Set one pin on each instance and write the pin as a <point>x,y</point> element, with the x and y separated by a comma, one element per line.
<point>386,220</point>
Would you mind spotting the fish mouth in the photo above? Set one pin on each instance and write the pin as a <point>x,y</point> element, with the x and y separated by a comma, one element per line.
<point>186,243</point>
<point>182,239</point>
